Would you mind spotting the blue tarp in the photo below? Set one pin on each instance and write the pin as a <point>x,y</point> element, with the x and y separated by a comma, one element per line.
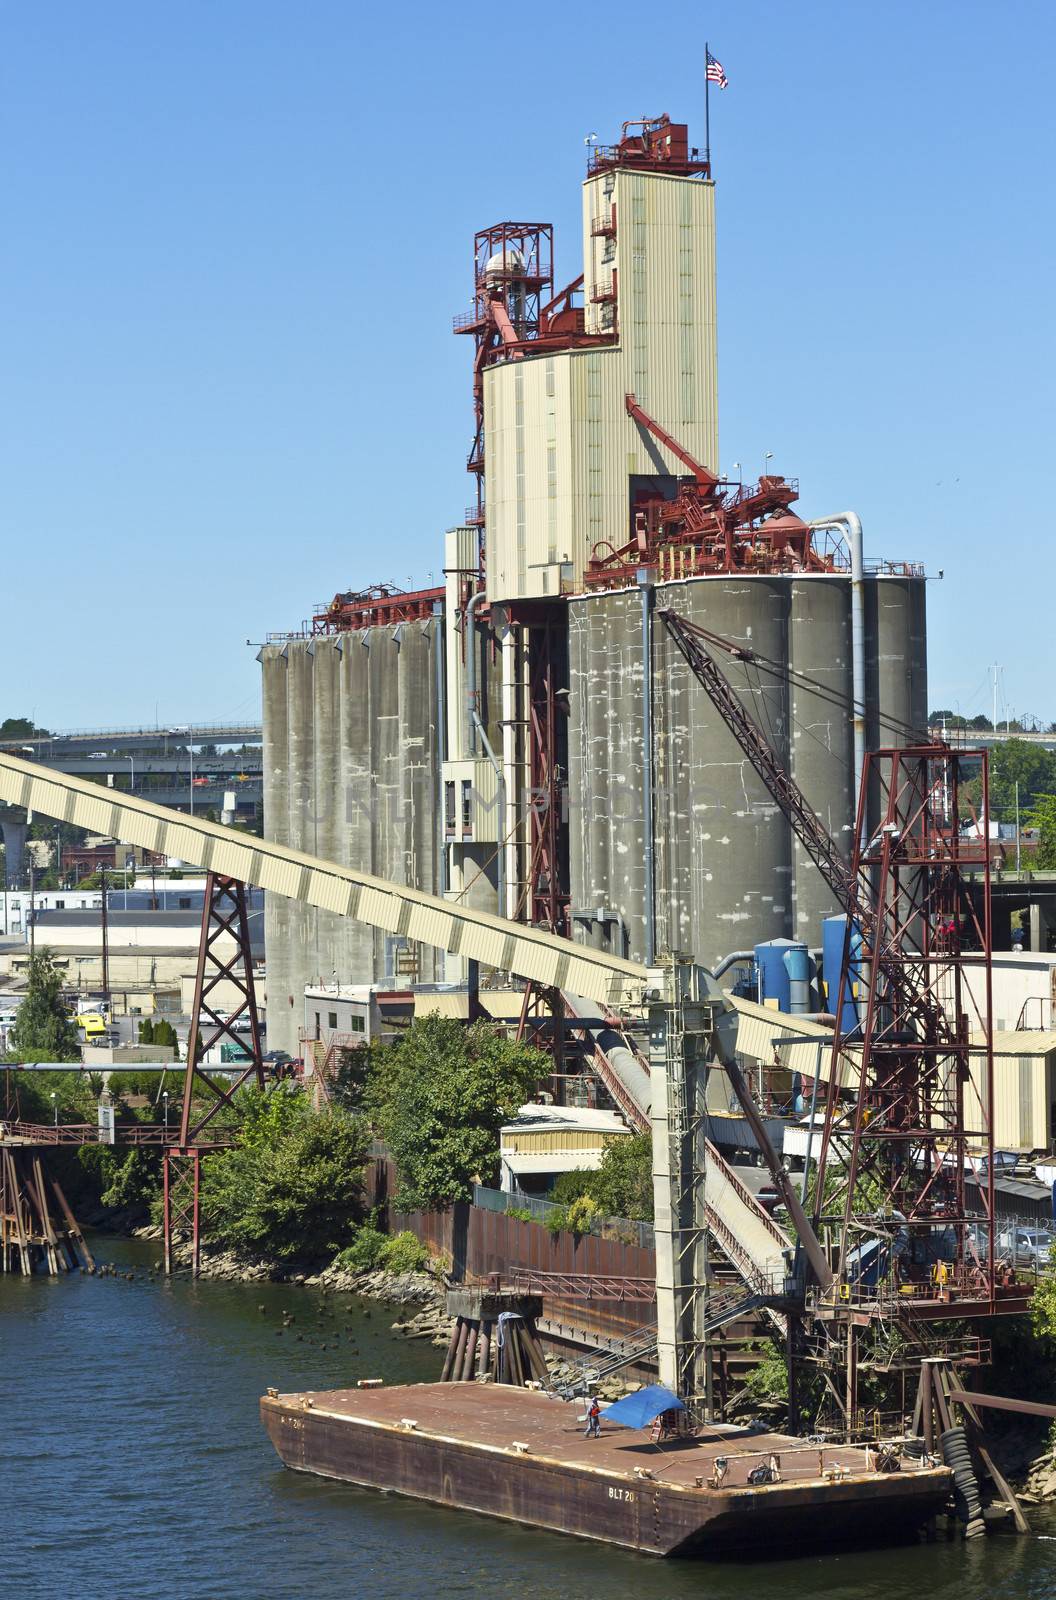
<point>639,1410</point>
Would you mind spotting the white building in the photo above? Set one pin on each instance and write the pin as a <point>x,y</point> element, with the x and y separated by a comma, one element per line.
<point>544,1141</point>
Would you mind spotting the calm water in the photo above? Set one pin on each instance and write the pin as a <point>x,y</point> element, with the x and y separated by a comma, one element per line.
<point>133,1465</point>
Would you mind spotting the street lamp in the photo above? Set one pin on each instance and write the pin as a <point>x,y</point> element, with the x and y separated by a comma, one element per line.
<point>132,777</point>
<point>165,1099</point>
<point>55,1106</point>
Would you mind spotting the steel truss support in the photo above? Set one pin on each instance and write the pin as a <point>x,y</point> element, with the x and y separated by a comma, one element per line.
<point>910,1086</point>
<point>681,1046</point>
<point>548,881</point>
<point>225,964</point>
<point>224,923</point>
<point>181,1209</point>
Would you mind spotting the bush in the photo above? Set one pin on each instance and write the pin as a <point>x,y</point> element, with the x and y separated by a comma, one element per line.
<point>521,1213</point>
<point>403,1253</point>
<point>293,1186</point>
<point>582,1214</point>
<point>557,1220</point>
<point>364,1253</point>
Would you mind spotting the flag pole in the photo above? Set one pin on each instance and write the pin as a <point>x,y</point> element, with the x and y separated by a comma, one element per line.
<point>707,108</point>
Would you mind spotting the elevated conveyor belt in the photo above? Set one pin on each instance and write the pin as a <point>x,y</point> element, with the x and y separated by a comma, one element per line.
<point>749,1238</point>
<point>513,947</point>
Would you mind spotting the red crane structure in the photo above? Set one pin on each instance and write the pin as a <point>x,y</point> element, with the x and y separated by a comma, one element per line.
<point>910,1082</point>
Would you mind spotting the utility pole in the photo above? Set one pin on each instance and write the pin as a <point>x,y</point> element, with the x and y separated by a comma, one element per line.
<point>1018,862</point>
<point>106,953</point>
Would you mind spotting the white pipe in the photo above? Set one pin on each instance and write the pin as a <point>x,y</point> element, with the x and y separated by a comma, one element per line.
<point>472,709</point>
<point>852,524</point>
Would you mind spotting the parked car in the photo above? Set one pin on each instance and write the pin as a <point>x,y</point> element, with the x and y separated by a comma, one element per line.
<point>1005,1163</point>
<point>1027,1247</point>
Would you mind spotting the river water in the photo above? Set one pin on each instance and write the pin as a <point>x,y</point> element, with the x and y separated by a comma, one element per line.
<point>133,1465</point>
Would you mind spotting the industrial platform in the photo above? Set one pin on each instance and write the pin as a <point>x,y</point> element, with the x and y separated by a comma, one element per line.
<point>522,1455</point>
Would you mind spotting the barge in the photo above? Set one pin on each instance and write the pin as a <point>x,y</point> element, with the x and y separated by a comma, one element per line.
<point>522,1455</point>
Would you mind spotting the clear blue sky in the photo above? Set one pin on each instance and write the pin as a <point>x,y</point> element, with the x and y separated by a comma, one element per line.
<point>235,233</point>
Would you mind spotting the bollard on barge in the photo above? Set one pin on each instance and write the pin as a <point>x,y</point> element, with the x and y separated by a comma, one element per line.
<point>521,1455</point>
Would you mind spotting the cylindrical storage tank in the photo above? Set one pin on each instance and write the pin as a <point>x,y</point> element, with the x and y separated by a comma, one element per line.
<point>821,731</point>
<point>723,848</point>
<point>773,973</point>
<point>833,930</point>
<point>797,965</point>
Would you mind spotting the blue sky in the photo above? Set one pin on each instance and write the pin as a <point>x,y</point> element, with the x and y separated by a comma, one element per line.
<point>235,233</point>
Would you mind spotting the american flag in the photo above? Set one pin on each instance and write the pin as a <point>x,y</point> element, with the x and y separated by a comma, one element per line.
<point>716,74</point>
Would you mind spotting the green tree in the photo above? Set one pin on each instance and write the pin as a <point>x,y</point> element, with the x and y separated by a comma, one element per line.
<point>19,728</point>
<point>622,1186</point>
<point>1017,762</point>
<point>43,1030</point>
<point>438,1096</point>
<point>293,1186</point>
<point>146,1031</point>
<point>1042,815</point>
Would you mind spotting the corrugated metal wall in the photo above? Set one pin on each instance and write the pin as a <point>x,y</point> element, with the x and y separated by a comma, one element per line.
<point>559,444</point>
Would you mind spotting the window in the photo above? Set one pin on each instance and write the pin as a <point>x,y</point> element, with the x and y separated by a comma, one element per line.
<point>184,902</point>
<point>467,805</point>
<point>357,1025</point>
<point>318,1026</point>
<point>449,808</point>
<point>60,905</point>
<point>331,1019</point>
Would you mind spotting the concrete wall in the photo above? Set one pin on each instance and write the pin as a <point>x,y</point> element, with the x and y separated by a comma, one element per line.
<point>350,774</point>
<point>728,870</point>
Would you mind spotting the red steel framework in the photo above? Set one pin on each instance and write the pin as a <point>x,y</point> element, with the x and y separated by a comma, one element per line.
<point>907,1120</point>
<point>908,1110</point>
<point>710,526</point>
<point>224,922</point>
<point>375,607</point>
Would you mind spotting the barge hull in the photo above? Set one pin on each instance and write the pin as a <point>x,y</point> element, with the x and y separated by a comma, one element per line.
<point>562,1483</point>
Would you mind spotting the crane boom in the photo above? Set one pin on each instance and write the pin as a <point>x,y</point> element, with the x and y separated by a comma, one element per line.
<point>801,816</point>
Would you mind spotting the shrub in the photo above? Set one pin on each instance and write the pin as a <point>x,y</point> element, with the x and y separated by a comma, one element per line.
<point>582,1214</point>
<point>403,1253</point>
<point>556,1220</point>
<point>363,1253</point>
<point>521,1213</point>
<point>293,1186</point>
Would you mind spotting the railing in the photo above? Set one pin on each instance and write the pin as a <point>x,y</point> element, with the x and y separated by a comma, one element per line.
<point>540,1210</point>
<point>580,1285</point>
<point>130,1133</point>
<point>1042,1001</point>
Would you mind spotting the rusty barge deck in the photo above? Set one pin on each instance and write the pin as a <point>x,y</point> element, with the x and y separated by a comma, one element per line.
<point>521,1455</point>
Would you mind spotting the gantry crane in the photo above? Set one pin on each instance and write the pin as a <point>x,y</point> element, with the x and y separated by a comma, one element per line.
<point>905,1117</point>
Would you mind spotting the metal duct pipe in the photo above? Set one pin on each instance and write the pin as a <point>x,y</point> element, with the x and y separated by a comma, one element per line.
<point>472,709</point>
<point>730,961</point>
<point>645,586</point>
<point>852,525</point>
<point>500,857</point>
